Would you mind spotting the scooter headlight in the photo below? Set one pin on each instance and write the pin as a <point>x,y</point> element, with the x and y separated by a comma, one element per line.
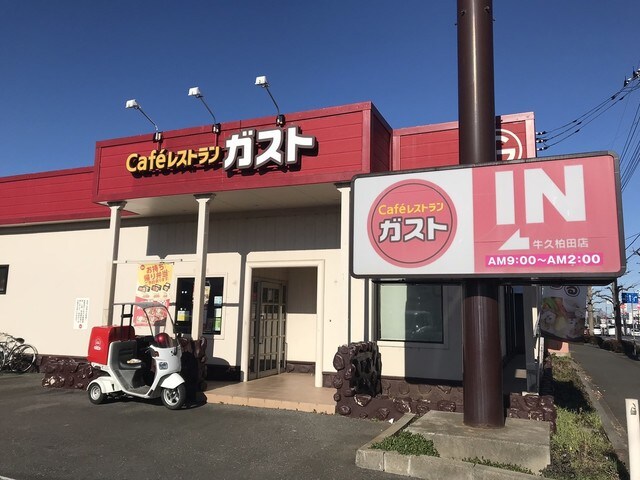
<point>163,365</point>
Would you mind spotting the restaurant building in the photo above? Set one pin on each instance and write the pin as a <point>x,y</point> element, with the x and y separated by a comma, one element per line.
<point>245,233</point>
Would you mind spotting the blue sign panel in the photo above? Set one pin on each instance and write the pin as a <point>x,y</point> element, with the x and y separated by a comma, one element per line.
<point>629,297</point>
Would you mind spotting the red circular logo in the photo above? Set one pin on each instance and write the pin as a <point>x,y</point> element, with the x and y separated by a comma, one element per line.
<point>412,223</point>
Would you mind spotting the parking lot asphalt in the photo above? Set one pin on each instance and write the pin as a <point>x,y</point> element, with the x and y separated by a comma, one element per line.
<point>58,434</point>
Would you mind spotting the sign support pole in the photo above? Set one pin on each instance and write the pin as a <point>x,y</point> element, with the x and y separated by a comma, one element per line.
<point>482,353</point>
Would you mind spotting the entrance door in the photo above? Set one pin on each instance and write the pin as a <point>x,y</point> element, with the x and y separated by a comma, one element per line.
<point>267,353</point>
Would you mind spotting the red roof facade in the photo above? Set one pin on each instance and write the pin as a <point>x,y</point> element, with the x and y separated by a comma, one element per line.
<point>347,140</point>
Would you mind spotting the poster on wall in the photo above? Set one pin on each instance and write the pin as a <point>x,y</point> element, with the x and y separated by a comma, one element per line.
<point>153,285</point>
<point>81,314</point>
<point>562,312</point>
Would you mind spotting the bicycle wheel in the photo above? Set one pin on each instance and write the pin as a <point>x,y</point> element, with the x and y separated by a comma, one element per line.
<point>23,359</point>
<point>2,358</point>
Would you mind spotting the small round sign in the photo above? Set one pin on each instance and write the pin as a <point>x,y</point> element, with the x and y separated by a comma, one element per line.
<point>412,223</point>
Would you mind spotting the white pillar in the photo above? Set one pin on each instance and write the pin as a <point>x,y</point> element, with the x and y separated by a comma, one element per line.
<point>246,323</point>
<point>112,266</point>
<point>345,297</point>
<point>320,299</point>
<point>202,242</point>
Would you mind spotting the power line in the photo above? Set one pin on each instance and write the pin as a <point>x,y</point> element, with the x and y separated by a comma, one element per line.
<point>569,129</point>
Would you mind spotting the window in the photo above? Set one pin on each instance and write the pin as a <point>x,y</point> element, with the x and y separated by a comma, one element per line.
<point>410,312</point>
<point>4,275</point>
<point>213,300</point>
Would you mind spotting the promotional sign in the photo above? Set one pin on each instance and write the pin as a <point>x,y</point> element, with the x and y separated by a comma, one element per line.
<point>81,314</point>
<point>562,313</point>
<point>531,219</point>
<point>154,285</point>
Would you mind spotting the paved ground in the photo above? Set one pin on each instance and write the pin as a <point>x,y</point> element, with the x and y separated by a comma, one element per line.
<point>612,377</point>
<point>616,376</point>
<point>57,434</point>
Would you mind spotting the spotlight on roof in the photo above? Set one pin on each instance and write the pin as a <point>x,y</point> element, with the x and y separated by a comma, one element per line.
<point>195,92</point>
<point>262,81</point>
<point>157,136</point>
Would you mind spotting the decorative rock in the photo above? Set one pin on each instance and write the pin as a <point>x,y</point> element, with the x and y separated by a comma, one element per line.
<point>382,413</point>
<point>446,406</point>
<point>338,362</point>
<point>344,410</point>
<point>402,405</point>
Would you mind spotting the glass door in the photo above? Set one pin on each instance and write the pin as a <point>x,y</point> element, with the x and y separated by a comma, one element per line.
<point>267,352</point>
<point>213,294</point>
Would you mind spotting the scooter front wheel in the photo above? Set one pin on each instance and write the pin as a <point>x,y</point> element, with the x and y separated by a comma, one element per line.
<point>174,398</point>
<point>96,395</point>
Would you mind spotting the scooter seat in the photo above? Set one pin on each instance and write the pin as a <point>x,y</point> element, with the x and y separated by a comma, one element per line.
<point>131,364</point>
<point>125,354</point>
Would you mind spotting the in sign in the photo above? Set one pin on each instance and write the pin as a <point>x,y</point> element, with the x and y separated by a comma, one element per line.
<point>569,201</point>
<point>535,218</point>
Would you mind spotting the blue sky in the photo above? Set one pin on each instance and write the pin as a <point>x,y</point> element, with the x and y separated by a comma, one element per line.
<point>67,68</point>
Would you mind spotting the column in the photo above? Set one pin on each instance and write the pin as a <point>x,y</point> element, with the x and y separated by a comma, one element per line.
<point>345,297</point>
<point>320,299</point>
<point>202,242</point>
<point>112,266</point>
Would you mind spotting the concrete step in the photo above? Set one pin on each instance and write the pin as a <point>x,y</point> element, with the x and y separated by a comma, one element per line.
<point>520,442</point>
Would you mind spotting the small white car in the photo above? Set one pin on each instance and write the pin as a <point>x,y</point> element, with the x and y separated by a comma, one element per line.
<point>597,330</point>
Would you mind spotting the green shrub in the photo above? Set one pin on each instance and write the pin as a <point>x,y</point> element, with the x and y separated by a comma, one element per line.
<point>407,443</point>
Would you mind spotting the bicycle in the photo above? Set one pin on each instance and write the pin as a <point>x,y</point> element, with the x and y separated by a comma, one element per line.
<point>16,355</point>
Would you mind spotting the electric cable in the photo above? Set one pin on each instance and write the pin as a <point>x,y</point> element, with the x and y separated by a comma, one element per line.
<point>567,130</point>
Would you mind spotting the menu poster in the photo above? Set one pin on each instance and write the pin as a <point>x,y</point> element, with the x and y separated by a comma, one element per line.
<point>153,285</point>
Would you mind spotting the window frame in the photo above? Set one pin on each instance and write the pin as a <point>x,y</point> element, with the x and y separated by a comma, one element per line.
<point>208,327</point>
<point>408,342</point>
<point>4,279</point>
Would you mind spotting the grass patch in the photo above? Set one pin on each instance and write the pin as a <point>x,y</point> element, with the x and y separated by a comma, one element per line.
<point>503,466</point>
<point>580,448</point>
<point>407,443</point>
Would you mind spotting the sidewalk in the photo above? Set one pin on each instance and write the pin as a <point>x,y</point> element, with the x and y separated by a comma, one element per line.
<point>610,378</point>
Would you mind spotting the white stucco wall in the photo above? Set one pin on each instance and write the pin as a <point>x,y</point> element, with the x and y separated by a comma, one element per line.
<point>49,268</point>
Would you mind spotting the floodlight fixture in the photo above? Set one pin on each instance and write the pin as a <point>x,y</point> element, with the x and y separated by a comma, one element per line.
<point>157,136</point>
<point>195,92</point>
<point>261,81</point>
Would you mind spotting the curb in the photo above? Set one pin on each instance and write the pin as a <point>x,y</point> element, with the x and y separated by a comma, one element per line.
<point>424,466</point>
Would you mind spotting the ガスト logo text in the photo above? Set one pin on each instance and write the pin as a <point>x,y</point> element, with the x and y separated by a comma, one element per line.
<point>249,149</point>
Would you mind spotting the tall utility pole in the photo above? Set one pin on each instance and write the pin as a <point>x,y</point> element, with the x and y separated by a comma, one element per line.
<point>482,354</point>
<point>616,309</point>
<point>590,309</point>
